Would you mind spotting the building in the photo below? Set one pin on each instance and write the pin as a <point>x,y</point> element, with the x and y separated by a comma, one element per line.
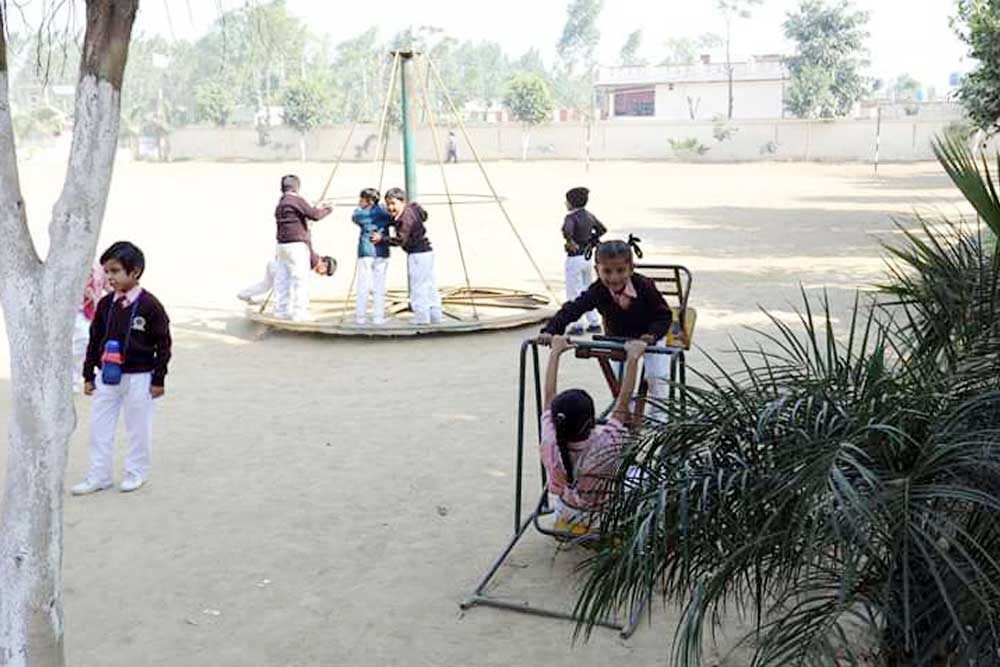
<point>699,91</point>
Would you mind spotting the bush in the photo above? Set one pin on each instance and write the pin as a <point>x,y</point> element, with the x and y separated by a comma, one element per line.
<point>689,147</point>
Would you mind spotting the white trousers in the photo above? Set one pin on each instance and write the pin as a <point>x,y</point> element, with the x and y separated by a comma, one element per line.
<point>424,296</point>
<point>291,281</point>
<point>371,283</point>
<point>133,394</point>
<point>265,284</point>
<point>657,373</point>
<point>81,336</point>
<point>579,276</point>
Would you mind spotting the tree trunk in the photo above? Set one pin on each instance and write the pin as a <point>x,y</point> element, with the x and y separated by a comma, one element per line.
<point>729,64</point>
<point>302,147</point>
<point>525,142</point>
<point>39,301</point>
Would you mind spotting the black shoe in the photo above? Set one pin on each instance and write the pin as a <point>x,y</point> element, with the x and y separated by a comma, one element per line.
<point>594,328</point>
<point>574,331</point>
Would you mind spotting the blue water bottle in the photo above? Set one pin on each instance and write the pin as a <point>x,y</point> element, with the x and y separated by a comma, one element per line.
<point>111,363</point>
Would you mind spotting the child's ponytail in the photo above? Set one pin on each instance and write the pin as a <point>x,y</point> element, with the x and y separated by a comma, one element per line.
<point>573,416</point>
<point>562,441</point>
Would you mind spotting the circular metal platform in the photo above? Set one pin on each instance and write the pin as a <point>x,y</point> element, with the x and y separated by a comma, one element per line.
<point>465,310</point>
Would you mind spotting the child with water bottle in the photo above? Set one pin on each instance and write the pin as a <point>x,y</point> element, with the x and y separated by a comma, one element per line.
<point>130,344</point>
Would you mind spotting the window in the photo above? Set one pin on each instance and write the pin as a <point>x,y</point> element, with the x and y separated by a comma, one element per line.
<point>635,103</point>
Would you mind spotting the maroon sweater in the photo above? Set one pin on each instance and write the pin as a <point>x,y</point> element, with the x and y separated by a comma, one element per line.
<point>411,235</point>
<point>148,348</point>
<point>647,314</point>
<point>291,215</point>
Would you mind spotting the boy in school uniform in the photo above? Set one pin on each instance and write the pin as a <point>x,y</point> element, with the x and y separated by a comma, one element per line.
<point>411,236</point>
<point>137,321</point>
<point>581,229</point>
<point>291,279</point>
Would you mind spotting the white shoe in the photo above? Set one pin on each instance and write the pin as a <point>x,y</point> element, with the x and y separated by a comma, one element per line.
<point>89,486</point>
<point>360,322</point>
<point>246,297</point>
<point>131,483</point>
<point>378,322</point>
<point>436,317</point>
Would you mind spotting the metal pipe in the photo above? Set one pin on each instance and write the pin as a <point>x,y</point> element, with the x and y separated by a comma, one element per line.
<point>407,99</point>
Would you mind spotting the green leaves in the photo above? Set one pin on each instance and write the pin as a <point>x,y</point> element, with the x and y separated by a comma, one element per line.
<point>529,99</point>
<point>838,487</point>
<point>978,25</point>
<point>826,77</point>
<point>307,105</point>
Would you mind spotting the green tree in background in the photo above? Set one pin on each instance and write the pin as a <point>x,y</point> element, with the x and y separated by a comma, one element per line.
<point>530,101</point>
<point>576,49</point>
<point>732,10</point>
<point>629,54</point>
<point>685,50</point>
<point>978,25</point>
<point>307,105</point>
<point>214,102</point>
<point>826,77</point>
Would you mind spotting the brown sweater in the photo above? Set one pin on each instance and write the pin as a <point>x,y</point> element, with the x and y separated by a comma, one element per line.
<point>647,314</point>
<point>411,235</point>
<point>146,349</point>
<point>291,215</point>
<point>579,226</point>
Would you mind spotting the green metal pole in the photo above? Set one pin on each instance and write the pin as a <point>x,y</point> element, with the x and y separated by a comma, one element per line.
<point>407,99</point>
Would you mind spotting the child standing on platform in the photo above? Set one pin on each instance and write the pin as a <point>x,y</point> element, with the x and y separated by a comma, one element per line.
<point>581,229</point>
<point>291,280</point>
<point>411,236</point>
<point>130,343</point>
<point>373,258</point>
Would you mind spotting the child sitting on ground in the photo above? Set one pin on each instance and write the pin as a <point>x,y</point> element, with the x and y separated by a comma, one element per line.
<point>579,454</point>
<point>581,229</point>
<point>321,265</point>
<point>373,258</point>
<point>411,236</point>
<point>130,343</point>
<point>631,305</point>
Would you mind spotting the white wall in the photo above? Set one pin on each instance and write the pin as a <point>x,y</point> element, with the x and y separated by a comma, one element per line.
<point>626,139</point>
<point>751,100</point>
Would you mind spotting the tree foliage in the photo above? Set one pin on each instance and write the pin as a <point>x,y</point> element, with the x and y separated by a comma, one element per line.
<point>307,105</point>
<point>529,99</point>
<point>685,50</point>
<point>629,54</point>
<point>573,80</point>
<point>978,25</point>
<point>826,77</point>
<point>214,103</point>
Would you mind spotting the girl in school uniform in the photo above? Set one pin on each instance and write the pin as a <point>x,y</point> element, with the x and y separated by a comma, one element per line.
<point>373,257</point>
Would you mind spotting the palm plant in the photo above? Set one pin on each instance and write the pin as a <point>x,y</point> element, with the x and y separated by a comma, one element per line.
<point>840,490</point>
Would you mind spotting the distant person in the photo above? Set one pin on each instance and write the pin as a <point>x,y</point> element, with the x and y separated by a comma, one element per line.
<point>93,291</point>
<point>452,147</point>
<point>579,454</point>
<point>130,343</point>
<point>631,305</point>
<point>411,235</point>
<point>581,229</point>
<point>291,278</point>
<point>373,258</point>
<point>321,265</point>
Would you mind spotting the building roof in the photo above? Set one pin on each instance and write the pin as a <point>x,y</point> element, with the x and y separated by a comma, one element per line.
<point>762,68</point>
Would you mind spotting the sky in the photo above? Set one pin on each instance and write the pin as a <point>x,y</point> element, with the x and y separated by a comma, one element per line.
<point>907,36</point>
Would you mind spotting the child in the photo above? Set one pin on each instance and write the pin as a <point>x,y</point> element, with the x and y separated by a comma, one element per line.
<point>452,147</point>
<point>291,279</point>
<point>411,236</point>
<point>323,266</point>
<point>580,455</point>
<point>580,229</point>
<point>138,323</point>
<point>631,305</point>
<point>95,289</point>
<point>373,258</point>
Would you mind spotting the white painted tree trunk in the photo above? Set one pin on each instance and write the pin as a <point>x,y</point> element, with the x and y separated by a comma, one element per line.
<point>302,147</point>
<point>525,142</point>
<point>39,301</point>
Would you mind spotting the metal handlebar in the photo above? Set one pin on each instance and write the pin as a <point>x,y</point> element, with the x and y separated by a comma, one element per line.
<point>608,343</point>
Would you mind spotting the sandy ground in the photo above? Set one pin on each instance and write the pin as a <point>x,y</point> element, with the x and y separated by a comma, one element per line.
<point>318,501</point>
